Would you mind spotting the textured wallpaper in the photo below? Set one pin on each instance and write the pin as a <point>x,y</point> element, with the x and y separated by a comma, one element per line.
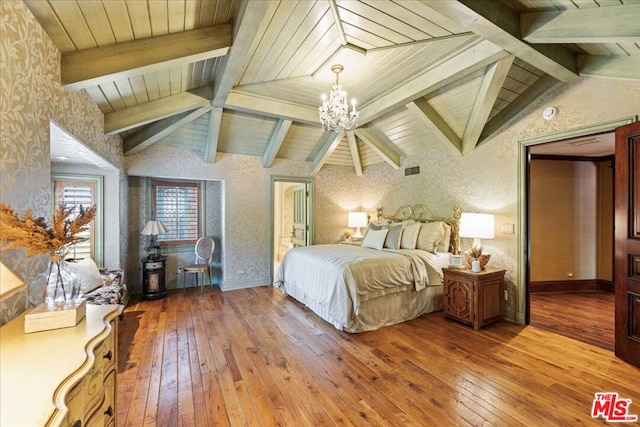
<point>139,188</point>
<point>30,96</point>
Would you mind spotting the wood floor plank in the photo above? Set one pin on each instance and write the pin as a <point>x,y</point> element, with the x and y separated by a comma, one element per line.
<point>586,316</point>
<point>187,389</point>
<point>257,357</point>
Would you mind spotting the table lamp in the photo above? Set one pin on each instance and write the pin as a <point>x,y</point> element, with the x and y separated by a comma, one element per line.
<point>357,220</point>
<point>153,228</point>
<point>477,226</point>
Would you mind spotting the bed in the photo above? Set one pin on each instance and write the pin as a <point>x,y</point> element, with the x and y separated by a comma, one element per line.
<point>393,275</point>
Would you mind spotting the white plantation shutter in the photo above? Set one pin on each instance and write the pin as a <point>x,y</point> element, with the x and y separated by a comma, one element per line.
<point>77,193</point>
<point>177,207</point>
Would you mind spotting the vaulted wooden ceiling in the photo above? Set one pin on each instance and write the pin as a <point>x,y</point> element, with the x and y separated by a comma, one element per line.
<point>246,77</point>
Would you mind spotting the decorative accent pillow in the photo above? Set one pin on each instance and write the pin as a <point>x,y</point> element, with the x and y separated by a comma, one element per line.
<point>393,236</point>
<point>374,239</point>
<point>410,236</point>
<point>376,225</point>
<point>90,277</point>
<point>430,235</point>
<point>445,242</point>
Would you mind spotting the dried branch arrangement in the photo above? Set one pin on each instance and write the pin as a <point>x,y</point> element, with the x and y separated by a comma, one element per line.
<point>38,237</point>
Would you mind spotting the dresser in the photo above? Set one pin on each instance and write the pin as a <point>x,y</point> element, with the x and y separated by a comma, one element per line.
<point>62,377</point>
<point>473,298</point>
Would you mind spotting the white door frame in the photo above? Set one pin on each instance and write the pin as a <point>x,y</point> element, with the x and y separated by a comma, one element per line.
<point>522,257</point>
<point>310,183</point>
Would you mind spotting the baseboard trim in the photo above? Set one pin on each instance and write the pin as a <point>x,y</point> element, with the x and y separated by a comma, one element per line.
<point>232,286</point>
<point>570,286</point>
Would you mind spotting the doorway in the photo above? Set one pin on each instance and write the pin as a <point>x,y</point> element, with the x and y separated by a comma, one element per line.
<point>579,150</point>
<point>291,216</point>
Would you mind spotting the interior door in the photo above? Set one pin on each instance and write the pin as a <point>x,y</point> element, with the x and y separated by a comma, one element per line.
<point>300,217</point>
<point>627,243</point>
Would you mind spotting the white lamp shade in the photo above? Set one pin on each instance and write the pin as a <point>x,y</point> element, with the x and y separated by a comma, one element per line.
<point>357,219</point>
<point>153,228</point>
<point>477,225</point>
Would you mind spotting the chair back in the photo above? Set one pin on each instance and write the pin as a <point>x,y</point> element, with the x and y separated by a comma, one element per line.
<point>204,250</point>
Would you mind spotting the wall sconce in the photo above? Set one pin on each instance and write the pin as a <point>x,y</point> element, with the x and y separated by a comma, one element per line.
<point>357,220</point>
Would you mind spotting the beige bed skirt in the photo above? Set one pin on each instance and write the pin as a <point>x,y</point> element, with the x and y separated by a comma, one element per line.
<point>379,312</point>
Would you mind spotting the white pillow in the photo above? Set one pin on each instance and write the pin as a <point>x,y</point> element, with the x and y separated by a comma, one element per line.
<point>88,273</point>
<point>374,239</point>
<point>410,235</point>
<point>430,235</point>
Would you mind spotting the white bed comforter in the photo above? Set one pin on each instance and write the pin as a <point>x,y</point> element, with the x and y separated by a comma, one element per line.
<point>339,277</point>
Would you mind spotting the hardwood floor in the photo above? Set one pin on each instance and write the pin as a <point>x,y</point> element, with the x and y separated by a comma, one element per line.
<point>255,357</point>
<point>585,316</point>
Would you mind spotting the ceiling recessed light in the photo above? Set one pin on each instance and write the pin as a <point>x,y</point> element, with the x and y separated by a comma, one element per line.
<point>61,158</point>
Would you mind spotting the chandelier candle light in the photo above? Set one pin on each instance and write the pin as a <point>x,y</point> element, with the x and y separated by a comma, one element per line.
<point>334,112</point>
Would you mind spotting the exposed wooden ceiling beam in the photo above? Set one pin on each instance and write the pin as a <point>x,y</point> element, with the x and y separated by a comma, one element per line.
<point>129,118</point>
<point>327,150</point>
<point>270,107</point>
<point>612,24</point>
<point>355,154</point>
<point>427,115</point>
<point>90,67</point>
<point>275,141</point>
<point>253,19</point>
<point>502,120</point>
<point>501,26</point>
<point>380,147</point>
<point>158,130</point>
<point>477,56</point>
<point>338,22</point>
<point>619,67</point>
<point>487,95</point>
<point>213,135</point>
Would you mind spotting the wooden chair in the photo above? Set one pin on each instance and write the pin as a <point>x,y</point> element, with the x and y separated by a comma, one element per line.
<point>202,264</point>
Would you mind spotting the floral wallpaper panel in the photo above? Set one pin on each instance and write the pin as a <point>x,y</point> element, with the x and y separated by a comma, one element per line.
<point>31,96</point>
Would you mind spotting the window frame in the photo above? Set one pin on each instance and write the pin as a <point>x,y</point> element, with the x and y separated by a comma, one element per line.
<point>154,183</point>
<point>97,225</point>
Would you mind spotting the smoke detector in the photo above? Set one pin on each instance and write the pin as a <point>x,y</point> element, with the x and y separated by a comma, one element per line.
<point>550,113</point>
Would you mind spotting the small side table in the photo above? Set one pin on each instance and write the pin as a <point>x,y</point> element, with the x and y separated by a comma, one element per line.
<point>474,298</point>
<point>153,274</point>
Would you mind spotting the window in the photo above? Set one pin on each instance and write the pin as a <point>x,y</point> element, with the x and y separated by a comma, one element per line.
<point>76,190</point>
<point>177,205</point>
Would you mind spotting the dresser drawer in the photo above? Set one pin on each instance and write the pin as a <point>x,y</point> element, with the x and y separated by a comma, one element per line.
<point>93,380</point>
<point>109,404</point>
<point>75,404</point>
<point>108,354</point>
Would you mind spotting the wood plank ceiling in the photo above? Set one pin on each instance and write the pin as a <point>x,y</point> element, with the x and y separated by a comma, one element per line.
<point>245,77</point>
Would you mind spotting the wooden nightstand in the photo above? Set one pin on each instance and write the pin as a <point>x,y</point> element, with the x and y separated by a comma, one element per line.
<point>474,298</point>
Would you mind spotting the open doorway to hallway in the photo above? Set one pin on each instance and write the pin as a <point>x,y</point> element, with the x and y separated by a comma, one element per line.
<point>570,219</point>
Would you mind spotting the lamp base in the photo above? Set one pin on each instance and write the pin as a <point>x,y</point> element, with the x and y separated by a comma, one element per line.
<point>483,259</point>
<point>357,235</point>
